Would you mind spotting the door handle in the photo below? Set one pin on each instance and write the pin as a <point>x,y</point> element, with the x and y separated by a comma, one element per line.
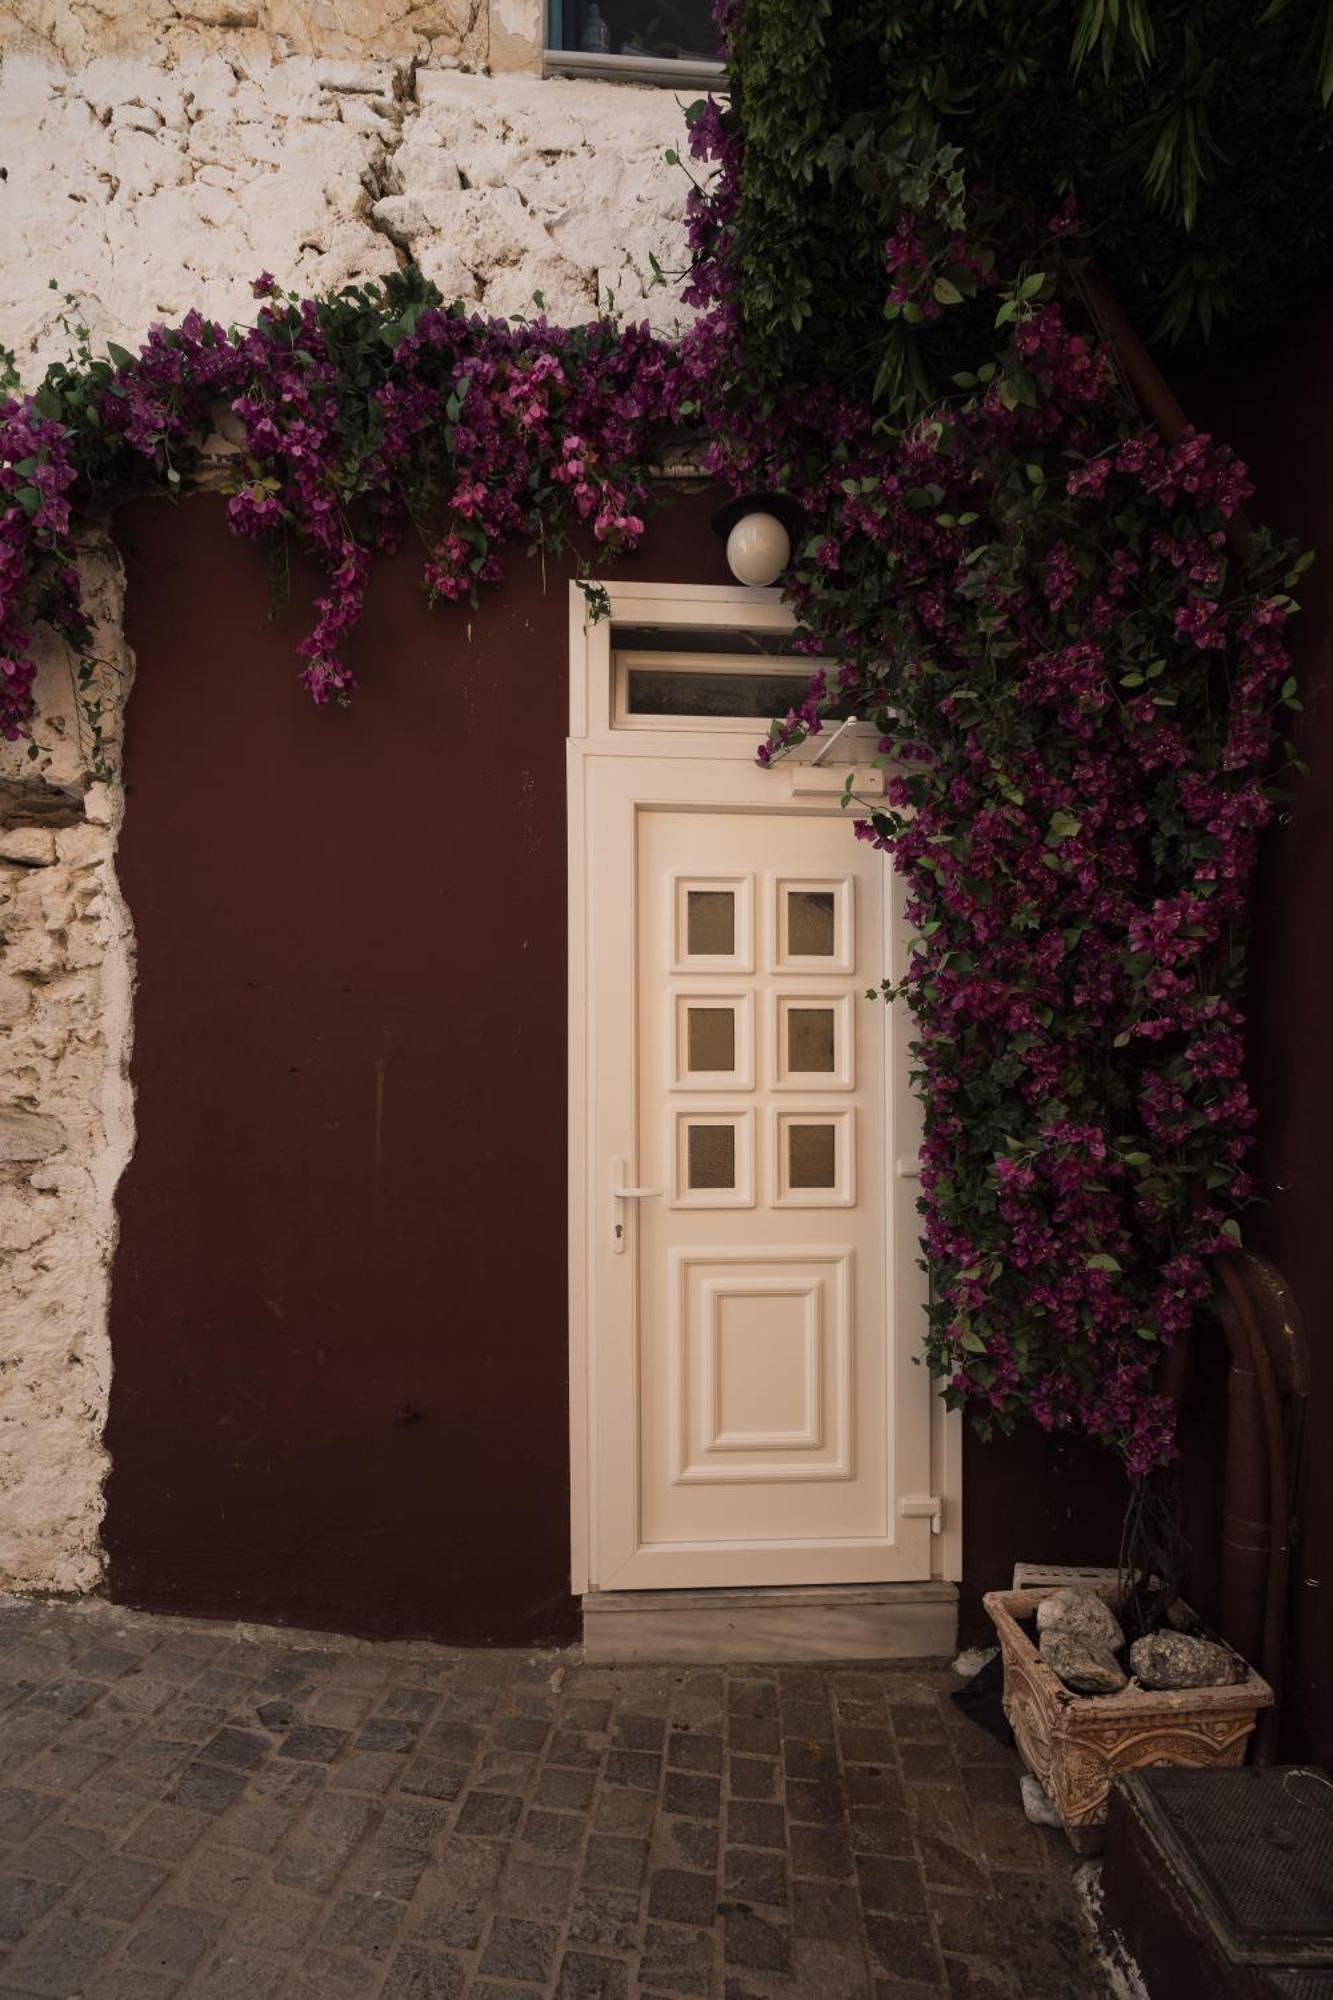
<point>620,1193</point>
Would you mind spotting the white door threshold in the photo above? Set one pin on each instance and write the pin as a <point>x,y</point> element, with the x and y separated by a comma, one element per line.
<point>853,1621</point>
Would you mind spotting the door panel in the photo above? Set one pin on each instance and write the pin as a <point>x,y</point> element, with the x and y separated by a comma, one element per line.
<point>754,1424</point>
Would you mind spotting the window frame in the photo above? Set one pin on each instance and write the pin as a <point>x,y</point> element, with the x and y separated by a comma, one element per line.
<point>675,71</point>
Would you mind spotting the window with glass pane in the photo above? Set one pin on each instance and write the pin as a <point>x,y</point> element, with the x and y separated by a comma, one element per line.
<point>679,30</point>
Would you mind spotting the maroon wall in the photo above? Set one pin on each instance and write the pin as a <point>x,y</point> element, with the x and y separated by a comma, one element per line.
<point>338,1318</point>
<point>1279,413</point>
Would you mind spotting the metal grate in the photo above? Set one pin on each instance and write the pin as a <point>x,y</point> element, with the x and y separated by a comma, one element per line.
<point>1254,1849</point>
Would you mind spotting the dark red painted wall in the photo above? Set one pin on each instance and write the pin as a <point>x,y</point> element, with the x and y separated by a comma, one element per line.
<point>339,1320</point>
<point>1278,412</point>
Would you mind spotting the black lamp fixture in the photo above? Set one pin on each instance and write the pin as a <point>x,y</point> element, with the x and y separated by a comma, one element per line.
<point>758,529</point>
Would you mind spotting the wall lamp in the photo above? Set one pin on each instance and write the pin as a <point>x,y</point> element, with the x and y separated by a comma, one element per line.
<point>758,529</point>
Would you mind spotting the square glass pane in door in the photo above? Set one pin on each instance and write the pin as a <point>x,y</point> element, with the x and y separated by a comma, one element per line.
<point>713,1159</point>
<point>813,925</point>
<point>812,1041</point>
<point>814,1159</point>
<point>711,1040</point>
<point>712,923</point>
<point>714,1041</point>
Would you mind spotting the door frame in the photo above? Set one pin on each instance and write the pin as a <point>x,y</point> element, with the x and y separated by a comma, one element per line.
<point>594,734</point>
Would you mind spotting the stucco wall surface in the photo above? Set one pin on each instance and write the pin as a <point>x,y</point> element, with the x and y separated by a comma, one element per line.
<point>156,156</point>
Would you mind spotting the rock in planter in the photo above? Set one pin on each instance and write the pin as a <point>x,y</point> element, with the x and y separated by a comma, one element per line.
<point>1081,1614</point>
<point>1085,1668</point>
<point>1036,1805</point>
<point>1174,1660</point>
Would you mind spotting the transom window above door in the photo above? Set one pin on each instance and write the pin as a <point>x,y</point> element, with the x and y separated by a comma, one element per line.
<point>652,41</point>
<point>710,678</point>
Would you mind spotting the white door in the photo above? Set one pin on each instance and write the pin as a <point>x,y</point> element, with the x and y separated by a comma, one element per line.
<point>754,1303</point>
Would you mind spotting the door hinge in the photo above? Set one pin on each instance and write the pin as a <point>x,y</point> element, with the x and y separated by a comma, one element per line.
<point>921,1507</point>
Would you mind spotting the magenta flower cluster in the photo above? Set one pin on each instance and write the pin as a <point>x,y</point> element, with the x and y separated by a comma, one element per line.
<point>1033,598</point>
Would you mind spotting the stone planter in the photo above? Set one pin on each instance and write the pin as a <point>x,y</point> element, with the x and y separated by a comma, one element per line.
<point>1075,1744</point>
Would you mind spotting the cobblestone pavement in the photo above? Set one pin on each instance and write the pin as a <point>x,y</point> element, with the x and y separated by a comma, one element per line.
<point>232,1813</point>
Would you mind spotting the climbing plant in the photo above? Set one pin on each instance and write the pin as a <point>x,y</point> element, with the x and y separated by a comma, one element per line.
<point>1039,601</point>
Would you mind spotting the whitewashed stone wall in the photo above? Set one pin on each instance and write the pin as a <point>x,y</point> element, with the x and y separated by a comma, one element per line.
<point>156,156</point>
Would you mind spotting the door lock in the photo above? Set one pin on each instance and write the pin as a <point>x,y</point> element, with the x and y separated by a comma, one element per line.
<point>619,1195</point>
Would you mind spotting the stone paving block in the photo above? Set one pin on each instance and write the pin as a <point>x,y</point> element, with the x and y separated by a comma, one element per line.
<point>557,1834</point>
<point>518,1948</point>
<point>242,1975</point>
<point>825,1910</point>
<point>66,1698</point>
<point>355,1772</point>
<point>119,1887</point>
<point>288,1784</point>
<point>752,1777</point>
<point>890,1884</point>
<point>387,1732</point>
<point>679,1896</point>
<point>313,1743</point>
<point>385,1868</point>
<point>605,1917</point>
<point>585,1977</point>
<point>166,1833</point>
<point>692,1795</point>
<point>64,1767</point>
<point>242,1749</point>
<point>753,1824</point>
<point>820,1851</point>
<point>536,1891</point>
<point>217,1876</point>
<point>489,1815</point>
<point>131,1982</point>
<point>417,1974</point>
<point>258,1825</point>
<point>819,1965</point>
<point>433,1778</point>
<point>156,1757</point>
<point>691,1750</point>
<point>61,1957</point>
<point>22,1810</point>
<point>59,1853</point>
<point>684,1843</point>
<point>331,1975</point>
<point>901,1946</point>
<point>24,1900</point>
<point>173,1939</point>
<point>114,1800</point>
<point>460,1892</point>
<point>624,1812</point>
<point>277,1919</point>
<point>317,1852</point>
<point>755,1875</point>
<point>615,1862</point>
<point>754,1735</point>
<point>880,1830</point>
<point>364,1924</point>
<point>677,1961</point>
<point>207,1788</point>
<point>761,1942</point>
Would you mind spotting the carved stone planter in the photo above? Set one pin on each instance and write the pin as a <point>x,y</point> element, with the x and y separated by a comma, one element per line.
<point>1075,1744</point>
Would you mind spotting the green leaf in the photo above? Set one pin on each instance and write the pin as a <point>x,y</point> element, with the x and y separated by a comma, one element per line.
<point>1064,826</point>
<point>1103,1261</point>
<point>946,292</point>
<point>1231,1228</point>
